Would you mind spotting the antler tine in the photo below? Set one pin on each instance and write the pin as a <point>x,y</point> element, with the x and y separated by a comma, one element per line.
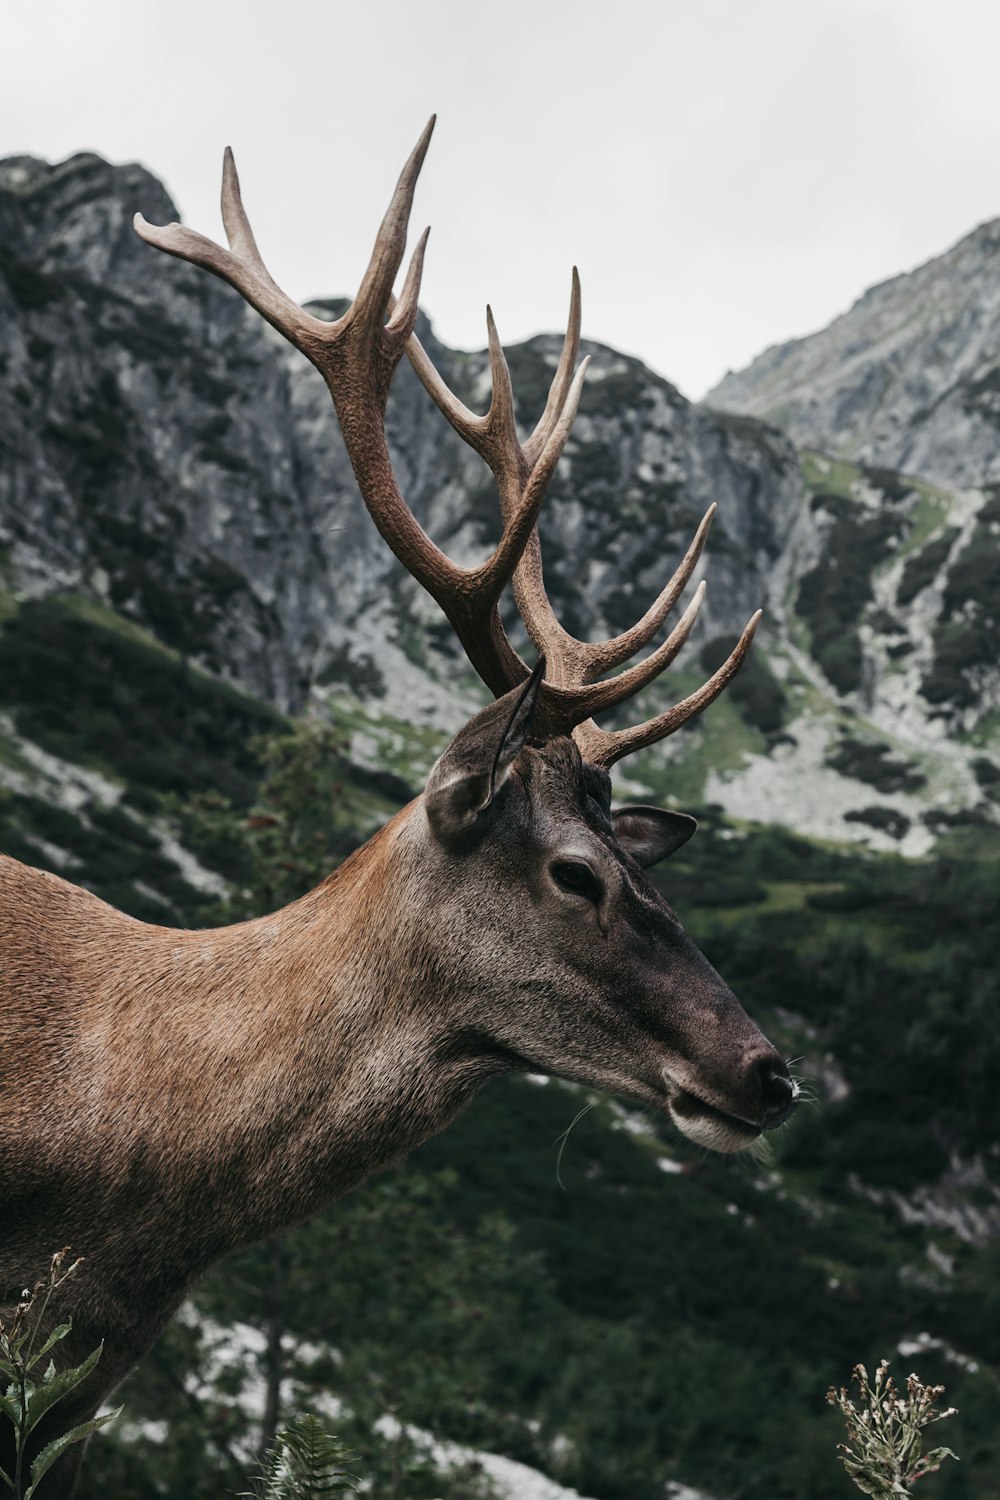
<point>404,312</point>
<point>518,467</point>
<point>474,429</point>
<point>570,660</point>
<point>591,699</point>
<point>521,515</point>
<point>464,421</point>
<point>573,664</point>
<point>603,747</point>
<point>234,218</point>
<point>390,242</point>
<point>522,471</point>
<point>240,265</point>
<point>608,654</point>
<point>564,374</point>
<point>500,422</point>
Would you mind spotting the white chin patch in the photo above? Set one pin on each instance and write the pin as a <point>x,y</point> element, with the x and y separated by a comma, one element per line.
<point>713,1132</point>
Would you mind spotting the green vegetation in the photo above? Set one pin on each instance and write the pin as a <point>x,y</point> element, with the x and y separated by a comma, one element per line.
<point>634,1324</point>
<point>925,516</point>
<point>923,567</point>
<point>873,762</point>
<point>755,690</point>
<point>965,637</point>
<point>822,472</point>
<point>834,594</point>
<point>108,849</point>
<point>305,1463</point>
<point>91,692</point>
<point>889,819</point>
<point>31,1387</point>
<point>99,692</point>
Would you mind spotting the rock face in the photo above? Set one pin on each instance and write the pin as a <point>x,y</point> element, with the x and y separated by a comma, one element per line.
<point>166,454</point>
<point>908,379</point>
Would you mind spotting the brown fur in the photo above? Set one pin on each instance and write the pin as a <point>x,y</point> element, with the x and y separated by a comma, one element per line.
<point>166,1096</point>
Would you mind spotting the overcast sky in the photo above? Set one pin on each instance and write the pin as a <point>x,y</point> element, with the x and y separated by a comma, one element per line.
<point>727,174</point>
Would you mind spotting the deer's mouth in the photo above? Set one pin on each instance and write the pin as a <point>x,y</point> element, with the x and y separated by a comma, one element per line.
<point>706,1124</point>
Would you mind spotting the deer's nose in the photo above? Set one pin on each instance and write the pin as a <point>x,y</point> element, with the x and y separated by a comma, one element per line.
<point>778,1094</point>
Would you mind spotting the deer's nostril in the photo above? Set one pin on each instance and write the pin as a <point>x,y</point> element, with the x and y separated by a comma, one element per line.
<point>778,1095</point>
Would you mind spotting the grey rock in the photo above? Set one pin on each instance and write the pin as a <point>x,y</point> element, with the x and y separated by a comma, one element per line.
<point>908,378</point>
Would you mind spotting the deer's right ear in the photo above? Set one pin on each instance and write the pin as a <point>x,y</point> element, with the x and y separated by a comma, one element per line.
<point>464,782</point>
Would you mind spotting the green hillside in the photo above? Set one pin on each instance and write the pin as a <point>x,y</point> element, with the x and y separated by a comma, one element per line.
<point>610,1306</point>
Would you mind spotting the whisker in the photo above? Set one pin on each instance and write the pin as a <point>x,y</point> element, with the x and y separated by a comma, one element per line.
<point>561,1140</point>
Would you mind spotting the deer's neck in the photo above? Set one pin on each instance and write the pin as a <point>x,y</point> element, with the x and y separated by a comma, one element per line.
<point>291,1057</point>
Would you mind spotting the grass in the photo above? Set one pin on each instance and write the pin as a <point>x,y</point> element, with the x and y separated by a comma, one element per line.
<point>821,471</point>
<point>96,690</point>
<point>406,750</point>
<point>11,756</point>
<point>932,508</point>
<point>985,734</point>
<point>719,739</point>
<point>93,612</point>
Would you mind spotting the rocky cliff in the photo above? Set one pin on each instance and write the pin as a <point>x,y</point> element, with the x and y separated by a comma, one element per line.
<point>908,379</point>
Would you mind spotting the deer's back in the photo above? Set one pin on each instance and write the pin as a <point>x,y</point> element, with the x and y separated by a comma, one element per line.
<point>50,934</point>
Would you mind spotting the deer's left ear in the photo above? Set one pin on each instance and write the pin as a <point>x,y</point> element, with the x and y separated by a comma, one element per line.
<point>464,782</point>
<point>650,834</point>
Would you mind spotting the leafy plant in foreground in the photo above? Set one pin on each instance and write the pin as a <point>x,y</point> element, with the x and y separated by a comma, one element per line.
<point>305,1462</point>
<point>883,1452</point>
<point>31,1389</point>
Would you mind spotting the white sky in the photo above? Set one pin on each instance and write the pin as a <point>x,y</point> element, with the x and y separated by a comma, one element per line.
<point>726,173</point>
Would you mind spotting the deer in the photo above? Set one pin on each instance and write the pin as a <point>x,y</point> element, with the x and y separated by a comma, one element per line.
<point>169,1096</point>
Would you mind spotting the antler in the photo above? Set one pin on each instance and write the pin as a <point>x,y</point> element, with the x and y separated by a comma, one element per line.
<point>357,356</point>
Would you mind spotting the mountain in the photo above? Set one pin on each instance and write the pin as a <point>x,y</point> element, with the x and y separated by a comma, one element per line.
<point>908,379</point>
<point>169,459</point>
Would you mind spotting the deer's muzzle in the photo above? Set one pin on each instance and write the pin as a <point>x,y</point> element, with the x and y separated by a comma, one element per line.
<point>765,1099</point>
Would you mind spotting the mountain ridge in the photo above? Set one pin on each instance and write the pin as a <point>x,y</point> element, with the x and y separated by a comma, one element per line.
<point>904,378</point>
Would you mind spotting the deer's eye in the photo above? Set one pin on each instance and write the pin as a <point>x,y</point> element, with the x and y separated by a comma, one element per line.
<point>579,879</point>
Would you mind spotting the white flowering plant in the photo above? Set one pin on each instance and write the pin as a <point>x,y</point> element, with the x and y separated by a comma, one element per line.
<point>884,1451</point>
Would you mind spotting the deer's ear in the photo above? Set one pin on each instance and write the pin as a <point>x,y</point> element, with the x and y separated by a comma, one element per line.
<point>464,782</point>
<point>650,834</point>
